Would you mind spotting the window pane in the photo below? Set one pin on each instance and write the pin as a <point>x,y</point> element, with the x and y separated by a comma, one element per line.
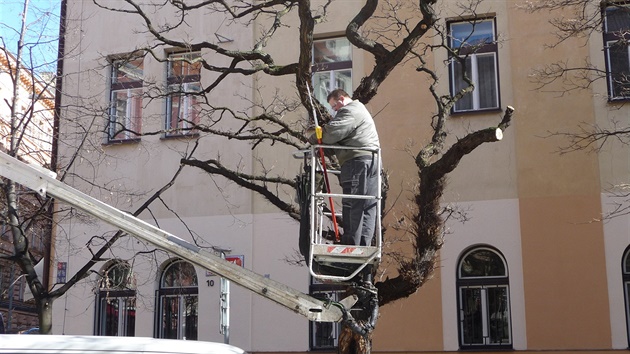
<point>184,64</point>
<point>126,99</point>
<point>191,317</point>
<point>116,316</point>
<point>129,317</point>
<point>332,50</point>
<point>332,59</point>
<point>617,18</point>
<point>324,335</point>
<point>465,34</point>
<point>321,86</point>
<point>487,76</point>
<point>117,277</point>
<point>482,263</point>
<point>183,109</point>
<point>498,315</point>
<point>619,70</point>
<point>174,101</point>
<point>109,317</point>
<point>170,319</point>
<point>179,274</point>
<point>125,71</point>
<point>343,80</point>
<point>126,113</point>
<point>471,316</point>
<point>119,112</point>
<point>466,102</point>
<point>171,313</point>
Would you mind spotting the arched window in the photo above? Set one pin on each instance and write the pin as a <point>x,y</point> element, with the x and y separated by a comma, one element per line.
<point>484,300</point>
<point>625,270</point>
<point>178,302</point>
<point>116,302</point>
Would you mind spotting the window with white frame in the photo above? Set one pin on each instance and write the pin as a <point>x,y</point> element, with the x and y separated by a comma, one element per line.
<point>184,86</point>
<point>332,67</point>
<point>116,302</point>
<point>617,49</point>
<point>125,112</point>
<point>178,302</point>
<point>474,63</point>
<point>325,335</point>
<point>483,300</point>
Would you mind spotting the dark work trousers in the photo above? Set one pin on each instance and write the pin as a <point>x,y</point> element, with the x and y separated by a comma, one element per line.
<point>359,176</point>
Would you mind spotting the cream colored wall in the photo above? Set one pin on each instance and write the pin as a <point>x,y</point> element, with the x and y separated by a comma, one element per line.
<point>254,321</point>
<point>219,212</point>
<point>149,165</point>
<point>274,240</point>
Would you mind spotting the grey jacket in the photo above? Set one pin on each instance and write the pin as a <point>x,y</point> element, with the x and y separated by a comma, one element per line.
<point>352,126</point>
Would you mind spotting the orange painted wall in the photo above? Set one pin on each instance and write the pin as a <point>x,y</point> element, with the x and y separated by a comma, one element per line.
<point>564,274</point>
<point>412,323</point>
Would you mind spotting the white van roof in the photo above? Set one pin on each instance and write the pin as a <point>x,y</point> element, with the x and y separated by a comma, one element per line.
<point>49,344</point>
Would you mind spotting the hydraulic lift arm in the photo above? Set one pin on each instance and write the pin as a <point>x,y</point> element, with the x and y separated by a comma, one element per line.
<point>45,183</point>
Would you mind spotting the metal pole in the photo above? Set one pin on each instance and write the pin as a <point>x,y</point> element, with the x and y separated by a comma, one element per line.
<point>224,324</point>
<point>225,309</point>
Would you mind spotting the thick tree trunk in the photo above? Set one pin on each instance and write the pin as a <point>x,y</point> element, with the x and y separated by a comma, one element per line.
<point>44,312</point>
<point>350,342</point>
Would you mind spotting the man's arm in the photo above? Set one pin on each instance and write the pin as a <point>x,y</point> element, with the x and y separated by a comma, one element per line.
<point>339,127</point>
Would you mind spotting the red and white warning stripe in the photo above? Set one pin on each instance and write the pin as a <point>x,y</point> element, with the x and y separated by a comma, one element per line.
<point>344,250</point>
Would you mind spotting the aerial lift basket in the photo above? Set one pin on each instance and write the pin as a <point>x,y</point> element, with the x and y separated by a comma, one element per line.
<point>328,259</point>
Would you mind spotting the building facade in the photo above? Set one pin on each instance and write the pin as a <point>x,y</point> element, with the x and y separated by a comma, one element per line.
<point>530,270</point>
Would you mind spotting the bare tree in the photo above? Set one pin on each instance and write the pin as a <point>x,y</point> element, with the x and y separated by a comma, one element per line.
<point>391,32</point>
<point>28,133</point>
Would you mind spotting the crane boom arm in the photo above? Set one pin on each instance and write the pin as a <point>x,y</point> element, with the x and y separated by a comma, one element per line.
<point>45,183</point>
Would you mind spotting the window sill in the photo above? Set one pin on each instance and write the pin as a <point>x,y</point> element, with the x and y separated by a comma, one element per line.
<point>475,112</point>
<point>122,141</point>
<point>324,350</point>
<point>487,348</point>
<point>619,100</point>
<point>180,136</point>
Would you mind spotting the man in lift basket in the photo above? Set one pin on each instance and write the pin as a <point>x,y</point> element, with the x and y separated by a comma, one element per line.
<point>353,126</point>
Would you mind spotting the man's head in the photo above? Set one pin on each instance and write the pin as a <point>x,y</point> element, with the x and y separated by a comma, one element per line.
<point>338,98</point>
